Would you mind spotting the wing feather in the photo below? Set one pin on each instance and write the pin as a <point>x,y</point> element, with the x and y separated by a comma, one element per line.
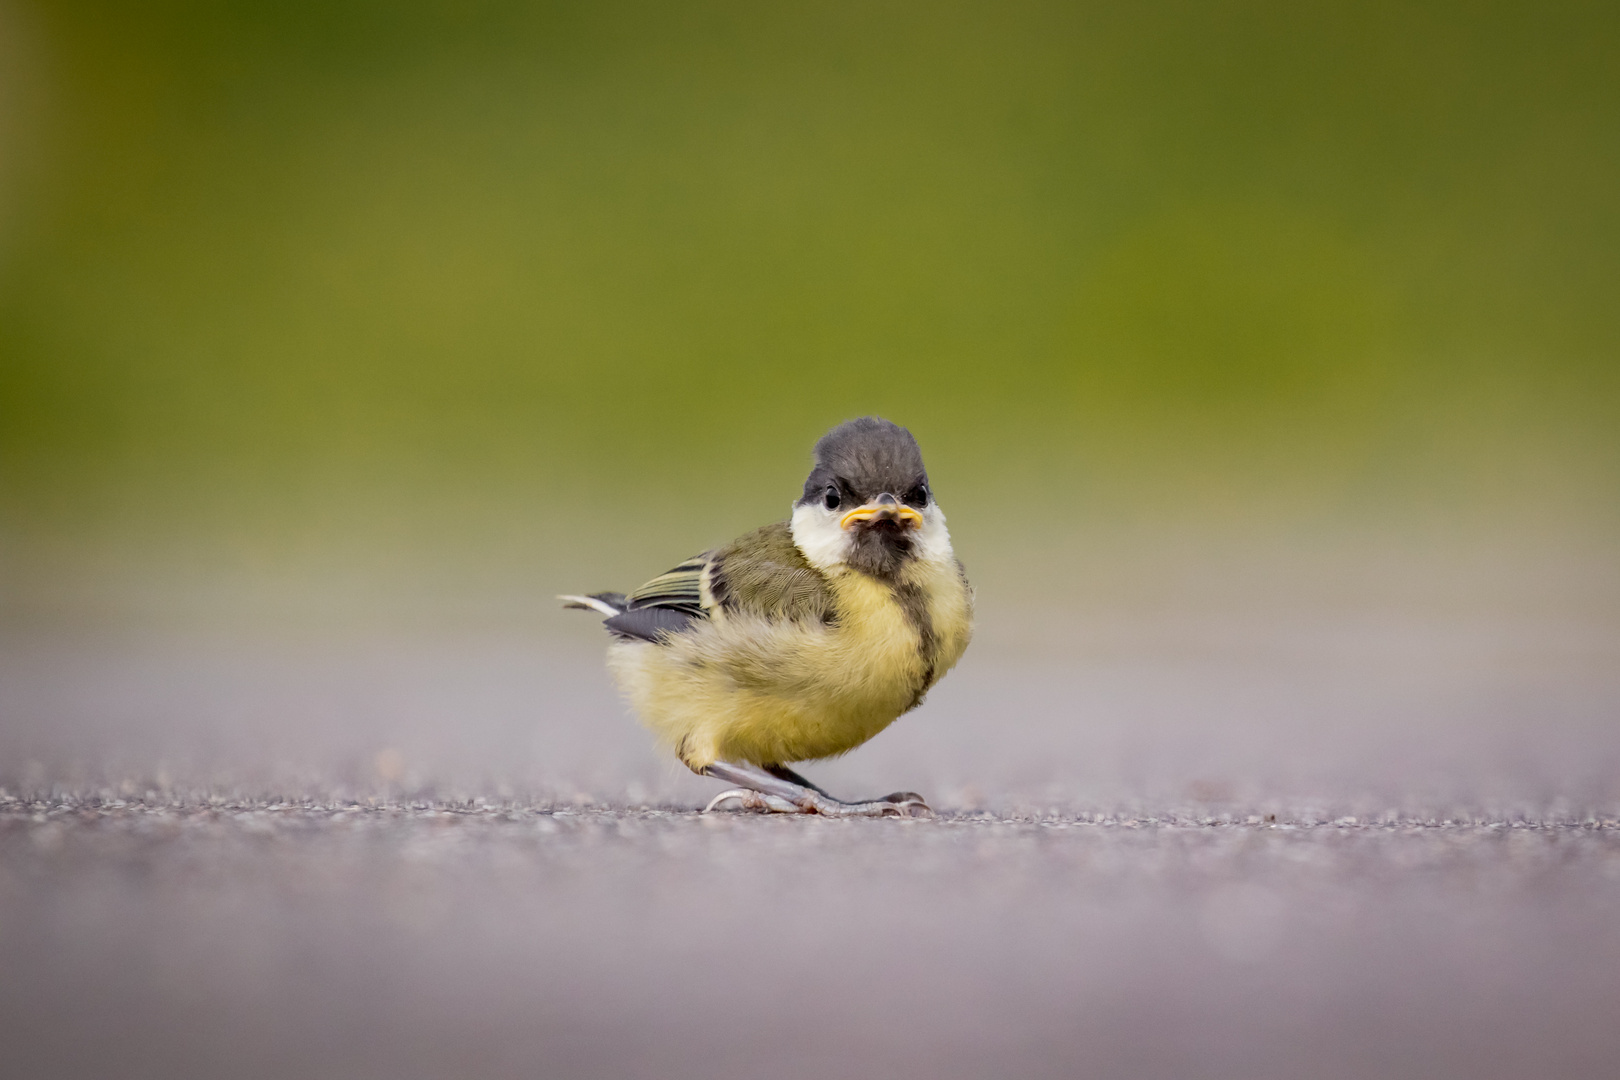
<point>680,589</point>
<point>763,573</point>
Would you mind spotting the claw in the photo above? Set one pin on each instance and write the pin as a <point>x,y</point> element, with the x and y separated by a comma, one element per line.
<point>906,804</point>
<point>740,794</point>
<point>756,800</point>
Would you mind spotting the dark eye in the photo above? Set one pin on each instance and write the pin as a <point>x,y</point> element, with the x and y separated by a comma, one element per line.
<point>917,496</point>
<point>831,498</point>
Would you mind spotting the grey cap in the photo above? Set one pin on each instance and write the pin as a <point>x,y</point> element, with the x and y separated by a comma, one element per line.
<point>865,458</point>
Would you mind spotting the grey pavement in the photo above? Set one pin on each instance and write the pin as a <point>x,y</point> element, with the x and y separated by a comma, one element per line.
<point>1326,847</point>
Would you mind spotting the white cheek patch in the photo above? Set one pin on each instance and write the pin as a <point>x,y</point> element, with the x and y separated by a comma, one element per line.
<point>818,535</point>
<point>825,543</point>
<point>933,540</point>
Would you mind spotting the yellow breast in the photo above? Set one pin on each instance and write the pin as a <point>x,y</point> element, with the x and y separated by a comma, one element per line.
<point>745,688</point>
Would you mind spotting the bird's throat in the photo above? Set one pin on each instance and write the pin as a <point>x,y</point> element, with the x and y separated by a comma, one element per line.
<point>881,549</point>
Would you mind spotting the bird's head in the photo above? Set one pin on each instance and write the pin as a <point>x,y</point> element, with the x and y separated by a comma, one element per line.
<point>867,503</point>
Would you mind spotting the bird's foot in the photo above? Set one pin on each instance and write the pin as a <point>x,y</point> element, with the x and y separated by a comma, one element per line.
<point>776,789</point>
<point>755,800</point>
<point>906,804</point>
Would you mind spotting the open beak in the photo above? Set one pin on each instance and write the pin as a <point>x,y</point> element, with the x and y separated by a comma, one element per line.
<point>883,508</point>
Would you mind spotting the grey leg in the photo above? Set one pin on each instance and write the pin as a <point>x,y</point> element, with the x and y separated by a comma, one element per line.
<point>769,789</point>
<point>782,772</point>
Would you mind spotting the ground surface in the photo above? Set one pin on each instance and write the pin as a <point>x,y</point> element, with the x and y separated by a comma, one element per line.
<point>158,939</point>
<point>1320,850</point>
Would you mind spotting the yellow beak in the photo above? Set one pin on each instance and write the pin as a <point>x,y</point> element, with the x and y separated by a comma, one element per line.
<point>882,511</point>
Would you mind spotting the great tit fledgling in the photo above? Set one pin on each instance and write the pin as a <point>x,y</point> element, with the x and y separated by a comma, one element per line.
<point>805,638</point>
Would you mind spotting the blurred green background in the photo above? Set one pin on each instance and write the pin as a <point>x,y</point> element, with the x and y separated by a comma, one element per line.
<point>567,290</point>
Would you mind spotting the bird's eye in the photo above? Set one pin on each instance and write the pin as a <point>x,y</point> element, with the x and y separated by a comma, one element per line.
<point>831,498</point>
<point>917,496</point>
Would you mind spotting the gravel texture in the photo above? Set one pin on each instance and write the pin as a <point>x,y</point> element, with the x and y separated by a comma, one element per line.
<point>1348,852</point>
<point>148,937</point>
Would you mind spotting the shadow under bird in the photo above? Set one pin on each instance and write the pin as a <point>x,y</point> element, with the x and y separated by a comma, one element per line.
<point>803,639</point>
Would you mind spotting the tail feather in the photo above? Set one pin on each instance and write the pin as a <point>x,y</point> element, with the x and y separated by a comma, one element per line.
<point>608,603</point>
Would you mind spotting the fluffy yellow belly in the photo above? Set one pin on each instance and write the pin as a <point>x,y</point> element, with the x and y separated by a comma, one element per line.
<point>750,689</point>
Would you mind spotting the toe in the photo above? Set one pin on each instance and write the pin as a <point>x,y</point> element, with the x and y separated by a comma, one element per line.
<point>740,794</point>
<point>747,799</point>
<point>909,804</point>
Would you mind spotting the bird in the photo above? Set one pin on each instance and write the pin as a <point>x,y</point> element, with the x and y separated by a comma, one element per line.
<point>805,638</point>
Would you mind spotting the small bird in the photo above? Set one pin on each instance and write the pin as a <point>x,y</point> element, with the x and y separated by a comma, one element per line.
<point>803,639</point>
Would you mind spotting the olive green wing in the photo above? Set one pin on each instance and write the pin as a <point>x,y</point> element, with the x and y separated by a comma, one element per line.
<point>668,604</point>
<point>764,573</point>
<point>680,589</point>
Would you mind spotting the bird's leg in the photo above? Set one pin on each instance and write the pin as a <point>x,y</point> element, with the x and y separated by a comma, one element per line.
<point>783,791</point>
<point>782,772</point>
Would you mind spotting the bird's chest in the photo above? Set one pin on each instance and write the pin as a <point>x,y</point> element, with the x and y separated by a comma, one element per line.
<point>879,645</point>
